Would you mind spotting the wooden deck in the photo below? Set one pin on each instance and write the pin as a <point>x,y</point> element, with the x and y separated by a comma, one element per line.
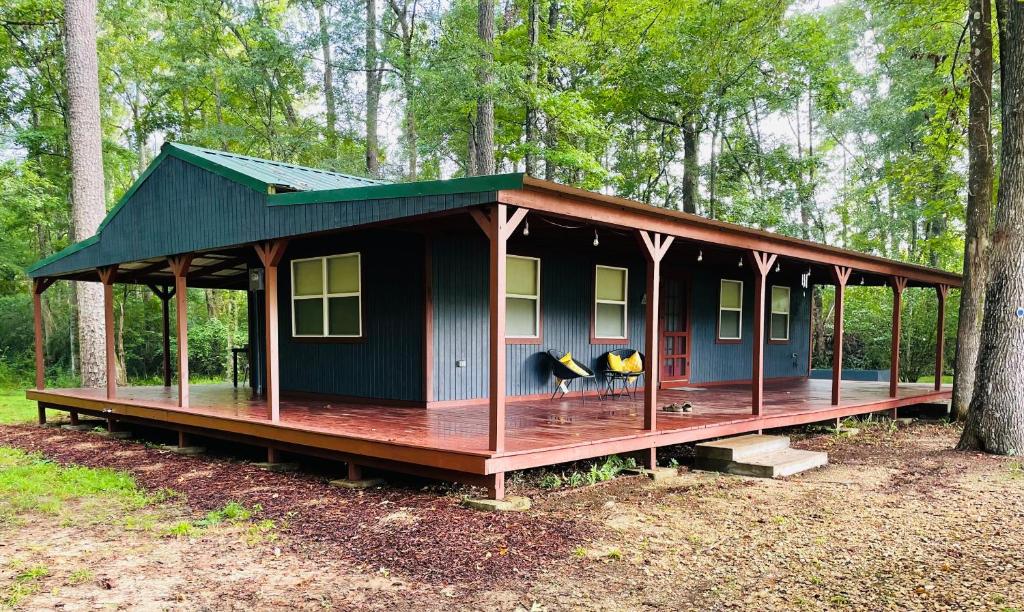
<point>454,439</point>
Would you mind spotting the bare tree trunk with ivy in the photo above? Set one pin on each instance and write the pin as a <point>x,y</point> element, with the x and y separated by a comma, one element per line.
<point>995,421</point>
<point>87,191</point>
<point>979,207</point>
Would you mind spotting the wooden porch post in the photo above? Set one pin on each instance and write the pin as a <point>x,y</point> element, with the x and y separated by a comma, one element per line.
<point>498,226</point>
<point>763,262</point>
<point>165,294</point>
<point>841,276</point>
<point>107,276</point>
<point>656,247</point>
<point>899,283</point>
<point>941,291</point>
<point>179,266</point>
<point>39,285</point>
<point>270,254</point>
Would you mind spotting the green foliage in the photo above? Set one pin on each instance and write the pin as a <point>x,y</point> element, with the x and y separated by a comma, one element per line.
<point>597,472</point>
<point>30,483</point>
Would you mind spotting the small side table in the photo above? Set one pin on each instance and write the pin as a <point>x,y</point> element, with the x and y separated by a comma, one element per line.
<point>617,383</point>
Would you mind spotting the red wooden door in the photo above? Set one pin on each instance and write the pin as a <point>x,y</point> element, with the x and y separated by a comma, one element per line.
<point>674,327</point>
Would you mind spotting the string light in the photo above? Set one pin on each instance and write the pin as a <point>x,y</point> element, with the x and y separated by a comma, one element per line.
<point>700,255</point>
<point>596,241</point>
<point>526,229</point>
<point>741,262</point>
<point>778,268</point>
<point>862,280</point>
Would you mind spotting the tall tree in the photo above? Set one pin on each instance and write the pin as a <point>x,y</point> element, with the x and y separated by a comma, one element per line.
<point>87,193</point>
<point>532,74</point>
<point>484,135</point>
<point>995,422</point>
<point>373,85</point>
<point>331,129</point>
<point>979,205</point>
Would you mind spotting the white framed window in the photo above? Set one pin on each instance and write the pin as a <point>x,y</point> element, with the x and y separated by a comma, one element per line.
<point>730,310</point>
<point>327,297</point>
<point>611,291</point>
<point>778,326</point>
<point>522,297</point>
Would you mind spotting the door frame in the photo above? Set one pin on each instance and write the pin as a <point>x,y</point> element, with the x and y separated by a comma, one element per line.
<point>686,278</point>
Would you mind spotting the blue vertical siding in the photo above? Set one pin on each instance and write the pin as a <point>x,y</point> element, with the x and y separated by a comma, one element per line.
<point>713,362</point>
<point>461,312</point>
<point>461,320</point>
<point>388,363</point>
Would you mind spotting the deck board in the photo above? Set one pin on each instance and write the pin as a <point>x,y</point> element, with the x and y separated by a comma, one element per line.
<point>538,431</point>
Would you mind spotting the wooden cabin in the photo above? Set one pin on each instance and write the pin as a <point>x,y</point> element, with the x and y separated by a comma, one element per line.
<point>415,327</point>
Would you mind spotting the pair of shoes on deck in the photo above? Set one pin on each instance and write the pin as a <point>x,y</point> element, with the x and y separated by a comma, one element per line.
<point>684,407</point>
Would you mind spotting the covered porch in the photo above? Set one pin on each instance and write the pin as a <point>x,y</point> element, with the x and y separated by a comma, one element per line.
<point>452,442</point>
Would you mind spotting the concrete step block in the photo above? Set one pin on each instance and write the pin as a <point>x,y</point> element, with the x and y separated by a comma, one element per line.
<point>740,448</point>
<point>775,464</point>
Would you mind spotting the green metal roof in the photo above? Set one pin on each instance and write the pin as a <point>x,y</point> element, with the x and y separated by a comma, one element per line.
<point>299,178</point>
<point>301,186</point>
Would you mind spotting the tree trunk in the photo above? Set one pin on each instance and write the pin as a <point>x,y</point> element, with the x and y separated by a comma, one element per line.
<point>550,125</point>
<point>372,91</point>
<point>470,146</point>
<point>329,101</point>
<point>485,81</point>
<point>979,207</point>
<point>85,144</point>
<point>995,421</point>
<point>690,165</point>
<point>533,71</point>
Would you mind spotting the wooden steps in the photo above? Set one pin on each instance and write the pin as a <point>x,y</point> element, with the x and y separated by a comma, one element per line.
<point>756,455</point>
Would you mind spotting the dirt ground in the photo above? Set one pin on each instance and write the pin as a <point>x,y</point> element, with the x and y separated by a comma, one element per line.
<point>897,521</point>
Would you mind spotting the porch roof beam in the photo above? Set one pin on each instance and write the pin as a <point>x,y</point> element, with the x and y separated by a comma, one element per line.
<point>624,213</point>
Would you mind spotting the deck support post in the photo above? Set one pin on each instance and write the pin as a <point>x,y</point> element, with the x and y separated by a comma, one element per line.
<point>165,294</point>
<point>39,285</point>
<point>496,486</point>
<point>763,263</point>
<point>270,254</point>
<point>497,225</point>
<point>840,276</point>
<point>42,413</point>
<point>73,416</point>
<point>355,471</point>
<point>899,284</point>
<point>941,292</point>
<point>656,245</point>
<point>179,266</point>
<point>107,275</point>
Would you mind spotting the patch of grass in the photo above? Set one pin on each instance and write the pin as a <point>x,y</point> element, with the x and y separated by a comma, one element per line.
<point>182,529</point>
<point>232,512</point>
<point>931,379</point>
<point>79,576</point>
<point>14,408</point>
<point>25,584</point>
<point>579,551</point>
<point>260,532</point>
<point>615,554</point>
<point>31,483</point>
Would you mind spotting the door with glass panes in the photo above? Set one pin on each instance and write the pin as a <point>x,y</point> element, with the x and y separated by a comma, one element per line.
<point>674,329</point>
